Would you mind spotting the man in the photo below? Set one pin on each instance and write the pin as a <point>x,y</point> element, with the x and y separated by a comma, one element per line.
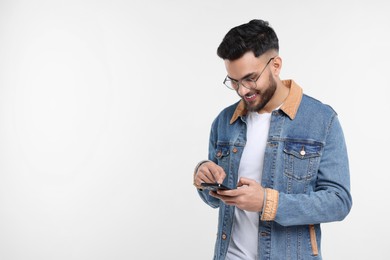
<point>282,152</point>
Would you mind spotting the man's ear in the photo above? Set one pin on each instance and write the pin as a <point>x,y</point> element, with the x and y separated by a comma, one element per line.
<point>276,65</point>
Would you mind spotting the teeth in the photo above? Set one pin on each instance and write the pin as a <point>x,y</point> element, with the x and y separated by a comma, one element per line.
<point>251,96</point>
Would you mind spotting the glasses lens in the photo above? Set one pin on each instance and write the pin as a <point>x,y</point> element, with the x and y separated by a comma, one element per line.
<point>230,84</point>
<point>248,83</point>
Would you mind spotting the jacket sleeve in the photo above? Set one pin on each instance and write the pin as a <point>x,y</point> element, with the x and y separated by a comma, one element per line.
<point>331,199</point>
<point>204,194</point>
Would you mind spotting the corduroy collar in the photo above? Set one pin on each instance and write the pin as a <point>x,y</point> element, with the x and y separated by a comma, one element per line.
<point>289,107</point>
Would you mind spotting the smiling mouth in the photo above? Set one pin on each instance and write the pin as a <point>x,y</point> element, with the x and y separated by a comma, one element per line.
<point>250,97</point>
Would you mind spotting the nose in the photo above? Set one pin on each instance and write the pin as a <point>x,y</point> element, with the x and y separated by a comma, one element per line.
<point>242,91</point>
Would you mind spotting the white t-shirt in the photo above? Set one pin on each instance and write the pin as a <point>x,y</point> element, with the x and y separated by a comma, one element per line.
<point>244,239</point>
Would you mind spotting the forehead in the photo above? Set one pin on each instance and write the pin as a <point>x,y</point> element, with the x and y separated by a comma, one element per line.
<point>243,66</point>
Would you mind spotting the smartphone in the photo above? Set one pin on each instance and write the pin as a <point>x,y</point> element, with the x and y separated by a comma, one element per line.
<point>214,186</point>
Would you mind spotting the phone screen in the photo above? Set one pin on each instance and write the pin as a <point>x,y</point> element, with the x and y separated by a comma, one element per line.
<point>214,186</point>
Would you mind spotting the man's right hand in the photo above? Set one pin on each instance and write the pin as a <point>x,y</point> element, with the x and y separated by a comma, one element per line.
<point>209,172</point>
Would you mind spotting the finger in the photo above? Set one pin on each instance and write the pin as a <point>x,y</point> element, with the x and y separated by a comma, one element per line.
<point>206,176</point>
<point>226,199</point>
<point>201,178</point>
<point>245,181</point>
<point>218,173</point>
<point>214,194</point>
<point>230,203</point>
<point>229,193</point>
<point>214,172</point>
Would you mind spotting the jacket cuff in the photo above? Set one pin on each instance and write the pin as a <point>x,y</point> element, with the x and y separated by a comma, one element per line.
<point>271,202</point>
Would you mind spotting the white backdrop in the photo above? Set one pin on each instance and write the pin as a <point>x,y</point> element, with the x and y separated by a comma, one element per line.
<point>106,106</point>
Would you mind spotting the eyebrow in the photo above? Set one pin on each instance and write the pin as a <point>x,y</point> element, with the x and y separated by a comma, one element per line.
<point>246,76</point>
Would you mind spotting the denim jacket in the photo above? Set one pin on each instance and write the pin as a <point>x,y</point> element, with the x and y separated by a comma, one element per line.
<point>305,175</point>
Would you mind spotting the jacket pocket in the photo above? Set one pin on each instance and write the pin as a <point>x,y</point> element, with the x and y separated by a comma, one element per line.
<point>301,159</point>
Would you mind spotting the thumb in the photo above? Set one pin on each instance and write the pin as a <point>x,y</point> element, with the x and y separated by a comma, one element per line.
<point>244,181</point>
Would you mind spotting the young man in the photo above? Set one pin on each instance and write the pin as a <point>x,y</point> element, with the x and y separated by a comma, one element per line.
<point>282,152</point>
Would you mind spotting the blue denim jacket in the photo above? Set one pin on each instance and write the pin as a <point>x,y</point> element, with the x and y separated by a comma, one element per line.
<point>306,175</point>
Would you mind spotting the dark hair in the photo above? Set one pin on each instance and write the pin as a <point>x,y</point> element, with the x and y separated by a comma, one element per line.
<point>256,36</point>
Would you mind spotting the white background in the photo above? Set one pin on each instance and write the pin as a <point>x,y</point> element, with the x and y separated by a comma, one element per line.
<point>106,106</point>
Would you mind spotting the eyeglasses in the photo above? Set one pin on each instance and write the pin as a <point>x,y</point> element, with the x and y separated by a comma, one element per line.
<point>247,83</point>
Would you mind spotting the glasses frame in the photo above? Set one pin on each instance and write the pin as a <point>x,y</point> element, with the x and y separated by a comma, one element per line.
<point>239,82</point>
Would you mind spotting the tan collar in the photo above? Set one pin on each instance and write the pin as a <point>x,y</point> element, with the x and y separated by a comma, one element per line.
<point>290,105</point>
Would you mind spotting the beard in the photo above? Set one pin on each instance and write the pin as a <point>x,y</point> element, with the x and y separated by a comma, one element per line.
<point>265,96</point>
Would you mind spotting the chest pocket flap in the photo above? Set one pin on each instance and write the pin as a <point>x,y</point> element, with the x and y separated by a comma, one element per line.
<point>303,150</point>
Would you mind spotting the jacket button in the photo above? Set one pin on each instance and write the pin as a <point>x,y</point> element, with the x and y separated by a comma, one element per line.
<point>234,150</point>
<point>302,152</point>
<point>224,236</point>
